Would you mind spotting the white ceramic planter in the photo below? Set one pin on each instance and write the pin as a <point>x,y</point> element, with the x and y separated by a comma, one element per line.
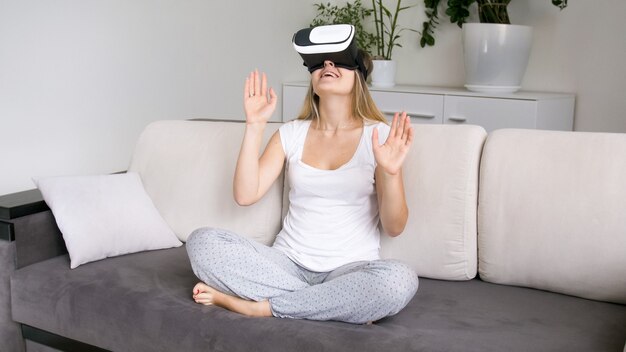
<point>496,56</point>
<point>384,73</point>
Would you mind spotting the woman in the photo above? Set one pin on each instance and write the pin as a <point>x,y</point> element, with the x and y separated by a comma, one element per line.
<point>324,264</point>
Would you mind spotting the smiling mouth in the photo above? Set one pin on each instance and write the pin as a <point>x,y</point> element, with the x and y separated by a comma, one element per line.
<point>330,74</point>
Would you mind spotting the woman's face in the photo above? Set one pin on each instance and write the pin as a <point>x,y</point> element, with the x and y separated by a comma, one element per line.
<point>332,80</point>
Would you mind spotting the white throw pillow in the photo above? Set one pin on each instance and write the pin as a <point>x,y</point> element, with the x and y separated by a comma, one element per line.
<point>105,216</point>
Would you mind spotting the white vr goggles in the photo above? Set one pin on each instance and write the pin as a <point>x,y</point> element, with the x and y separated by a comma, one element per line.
<point>333,42</point>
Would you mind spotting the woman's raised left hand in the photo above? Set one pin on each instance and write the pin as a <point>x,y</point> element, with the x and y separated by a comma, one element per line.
<point>259,102</point>
<point>390,156</point>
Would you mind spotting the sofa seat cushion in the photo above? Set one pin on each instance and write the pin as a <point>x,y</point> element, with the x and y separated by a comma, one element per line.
<point>142,302</point>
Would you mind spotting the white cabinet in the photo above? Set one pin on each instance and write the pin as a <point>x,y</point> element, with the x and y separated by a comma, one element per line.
<point>423,108</point>
<point>533,110</point>
<point>492,112</point>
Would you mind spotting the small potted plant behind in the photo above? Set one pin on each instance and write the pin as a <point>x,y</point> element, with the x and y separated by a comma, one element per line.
<point>495,51</point>
<point>387,35</point>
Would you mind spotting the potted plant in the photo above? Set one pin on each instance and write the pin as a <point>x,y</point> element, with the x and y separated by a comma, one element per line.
<point>379,44</point>
<point>387,35</point>
<point>495,51</point>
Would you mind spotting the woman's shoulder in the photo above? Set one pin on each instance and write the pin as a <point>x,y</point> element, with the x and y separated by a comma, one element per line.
<point>380,126</point>
<point>383,129</point>
<point>291,132</point>
<point>375,124</point>
<point>296,124</point>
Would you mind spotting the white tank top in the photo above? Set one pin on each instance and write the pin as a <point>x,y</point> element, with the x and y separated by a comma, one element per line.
<point>333,214</point>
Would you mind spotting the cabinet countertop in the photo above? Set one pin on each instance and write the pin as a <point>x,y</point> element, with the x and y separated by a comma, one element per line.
<point>457,91</point>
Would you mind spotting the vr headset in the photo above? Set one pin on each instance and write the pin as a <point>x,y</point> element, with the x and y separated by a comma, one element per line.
<point>333,42</point>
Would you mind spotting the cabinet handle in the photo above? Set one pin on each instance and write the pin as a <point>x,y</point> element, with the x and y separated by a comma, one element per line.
<point>457,118</point>
<point>410,114</point>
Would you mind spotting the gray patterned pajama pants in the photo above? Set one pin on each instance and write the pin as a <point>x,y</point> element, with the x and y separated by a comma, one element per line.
<point>357,293</point>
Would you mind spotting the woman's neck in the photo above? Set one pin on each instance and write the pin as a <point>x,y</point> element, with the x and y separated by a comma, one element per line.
<point>336,113</point>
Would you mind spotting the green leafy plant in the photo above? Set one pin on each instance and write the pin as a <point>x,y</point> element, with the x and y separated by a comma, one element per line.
<point>489,11</point>
<point>387,29</point>
<point>350,13</point>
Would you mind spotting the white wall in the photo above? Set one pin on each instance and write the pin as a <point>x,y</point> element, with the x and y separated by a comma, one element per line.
<point>79,79</point>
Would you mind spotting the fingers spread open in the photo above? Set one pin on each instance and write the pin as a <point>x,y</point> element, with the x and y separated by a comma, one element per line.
<point>409,137</point>
<point>394,125</point>
<point>273,97</point>
<point>246,88</point>
<point>406,125</point>
<point>263,85</point>
<point>257,83</point>
<point>249,87</point>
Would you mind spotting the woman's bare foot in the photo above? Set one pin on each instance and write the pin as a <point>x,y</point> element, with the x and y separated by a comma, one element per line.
<point>205,294</point>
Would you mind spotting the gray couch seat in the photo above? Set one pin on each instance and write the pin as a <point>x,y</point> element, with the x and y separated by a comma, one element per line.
<point>142,302</point>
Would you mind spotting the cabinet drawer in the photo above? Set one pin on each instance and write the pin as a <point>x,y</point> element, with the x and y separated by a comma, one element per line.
<point>423,108</point>
<point>490,113</point>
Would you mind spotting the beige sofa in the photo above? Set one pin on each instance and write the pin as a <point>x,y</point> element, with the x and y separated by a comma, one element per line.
<point>519,239</point>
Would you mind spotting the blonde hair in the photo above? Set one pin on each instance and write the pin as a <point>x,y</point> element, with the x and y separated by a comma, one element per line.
<point>363,106</point>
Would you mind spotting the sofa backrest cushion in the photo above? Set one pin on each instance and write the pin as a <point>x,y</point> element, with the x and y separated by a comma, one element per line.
<point>187,168</point>
<point>441,185</point>
<point>552,212</point>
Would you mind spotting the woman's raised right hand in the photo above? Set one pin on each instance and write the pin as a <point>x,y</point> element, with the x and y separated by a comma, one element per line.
<point>259,103</point>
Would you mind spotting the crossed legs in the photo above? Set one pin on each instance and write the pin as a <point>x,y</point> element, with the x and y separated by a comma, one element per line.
<point>252,279</point>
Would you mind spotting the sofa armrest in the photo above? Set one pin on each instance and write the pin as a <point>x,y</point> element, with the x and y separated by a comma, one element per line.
<point>20,213</point>
<point>20,204</point>
<point>26,220</point>
<point>10,333</point>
